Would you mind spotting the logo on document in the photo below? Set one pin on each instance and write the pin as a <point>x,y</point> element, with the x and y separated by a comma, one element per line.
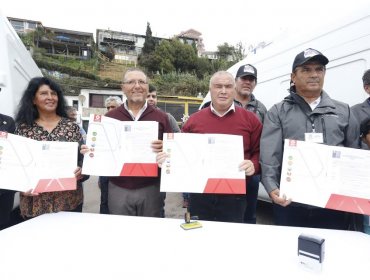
<point>97,118</point>
<point>292,143</point>
<point>3,134</point>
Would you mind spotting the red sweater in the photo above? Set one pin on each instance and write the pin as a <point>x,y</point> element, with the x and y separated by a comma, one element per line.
<point>150,114</point>
<point>241,122</point>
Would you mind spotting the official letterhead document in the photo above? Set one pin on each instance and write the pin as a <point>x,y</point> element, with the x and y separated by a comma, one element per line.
<point>326,176</point>
<point>120,148</point>
<point>43,166</point>
<point>203,163</point>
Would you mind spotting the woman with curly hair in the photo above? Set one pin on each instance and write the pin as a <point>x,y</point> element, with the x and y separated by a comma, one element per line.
<point>42,116</point>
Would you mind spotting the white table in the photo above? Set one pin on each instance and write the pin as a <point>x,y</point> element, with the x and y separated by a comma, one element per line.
<point>92,246</point>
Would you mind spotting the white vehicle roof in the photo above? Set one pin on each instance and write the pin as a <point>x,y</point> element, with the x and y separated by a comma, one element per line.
<point>346,44</point>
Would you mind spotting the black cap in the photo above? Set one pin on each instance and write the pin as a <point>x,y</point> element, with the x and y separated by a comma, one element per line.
<point>307,55</point>
<point>247,70</point>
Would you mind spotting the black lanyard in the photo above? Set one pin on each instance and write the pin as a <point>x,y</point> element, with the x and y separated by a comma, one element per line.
<point>308,116</point>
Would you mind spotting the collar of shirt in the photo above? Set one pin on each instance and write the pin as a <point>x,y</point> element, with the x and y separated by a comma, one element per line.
<point>314,104</point>
<point>231,108</point>
<point>253,98</point>
<point>139,113</point>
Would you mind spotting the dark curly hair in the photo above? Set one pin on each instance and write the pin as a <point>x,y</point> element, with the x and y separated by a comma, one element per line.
<point>27,111</point>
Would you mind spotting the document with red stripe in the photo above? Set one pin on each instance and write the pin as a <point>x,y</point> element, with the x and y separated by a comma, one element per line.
<point>203,163</point>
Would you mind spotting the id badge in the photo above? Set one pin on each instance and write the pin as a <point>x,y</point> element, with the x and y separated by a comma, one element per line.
<point>314,137</point>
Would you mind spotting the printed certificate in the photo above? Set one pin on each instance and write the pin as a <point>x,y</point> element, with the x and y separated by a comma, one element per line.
<point>326,176</point>
<point>203,163</point>
<point>120,148</point>
<point>43,166</point>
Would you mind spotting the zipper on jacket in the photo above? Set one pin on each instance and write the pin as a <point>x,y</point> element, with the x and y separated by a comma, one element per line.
<point>323,129</point>
<point>313,127</point>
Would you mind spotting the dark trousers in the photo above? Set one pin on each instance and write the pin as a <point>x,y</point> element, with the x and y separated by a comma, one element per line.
<point>252,198</point>
<point>103,185</point>
<point>6,206</point>
<point>298,215</point>
<point>218,207</point>
<point>163,211</point>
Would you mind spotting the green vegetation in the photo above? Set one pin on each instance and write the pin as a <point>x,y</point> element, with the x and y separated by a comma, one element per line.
<point>176,69</point>
<point>67,64</point>
<point>183,84</point>
<point>174,56</point>
<point>173,66</point>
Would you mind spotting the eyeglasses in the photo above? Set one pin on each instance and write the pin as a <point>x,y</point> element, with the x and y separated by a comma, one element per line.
<point>133,82</point>
<point>111,107</point>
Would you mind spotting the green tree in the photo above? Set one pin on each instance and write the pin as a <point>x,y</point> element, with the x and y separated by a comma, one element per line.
<point>180,84</point>
<point>184,56</point>
<point>225,51</point>
<point>239,52</point>
<point>164,54</point>
<point>171,55</point>
<point>150,43</point>
<point>150,62</point>
<point>203,67</point>
<point>220,64</point>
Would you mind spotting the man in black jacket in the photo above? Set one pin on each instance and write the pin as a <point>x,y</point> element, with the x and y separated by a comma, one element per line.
<point>6,196</point>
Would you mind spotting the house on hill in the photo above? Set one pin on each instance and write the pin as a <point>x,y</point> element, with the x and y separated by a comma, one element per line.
<point>56,41</point>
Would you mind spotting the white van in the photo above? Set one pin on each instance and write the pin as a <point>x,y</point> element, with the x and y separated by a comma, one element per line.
<point>17,68</point>
<point>347,46</point>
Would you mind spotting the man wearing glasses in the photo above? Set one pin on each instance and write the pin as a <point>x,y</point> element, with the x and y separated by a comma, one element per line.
<point>137,196</point>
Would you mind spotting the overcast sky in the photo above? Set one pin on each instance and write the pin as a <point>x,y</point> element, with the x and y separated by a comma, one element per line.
<point>233,21</point>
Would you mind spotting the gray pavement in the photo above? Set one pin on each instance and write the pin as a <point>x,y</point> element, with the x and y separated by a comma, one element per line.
<point>173,205</point>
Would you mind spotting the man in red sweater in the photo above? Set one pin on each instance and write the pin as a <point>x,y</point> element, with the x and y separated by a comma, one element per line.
<point>223,117</point>
<point>137,196</point>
